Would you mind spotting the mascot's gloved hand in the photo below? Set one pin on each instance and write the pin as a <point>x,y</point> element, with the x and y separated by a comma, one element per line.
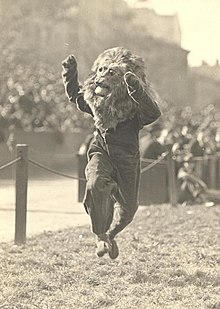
<point>69,63</point>
<point>132,82</point>
<point>132,79</point>
<point>70,77</point>
<point>144,96</point>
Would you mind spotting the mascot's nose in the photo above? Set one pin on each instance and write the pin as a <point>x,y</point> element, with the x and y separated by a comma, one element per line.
<point>99,81</point>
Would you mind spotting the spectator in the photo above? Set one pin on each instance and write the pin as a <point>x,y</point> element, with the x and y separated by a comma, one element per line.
<point>2,136</point>
<point>150,147</point>
<point>197,147</point>
<point>11,141</point>
<point>193,189</point>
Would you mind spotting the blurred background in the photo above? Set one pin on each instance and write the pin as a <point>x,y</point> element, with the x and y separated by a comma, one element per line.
<point>177,39</point>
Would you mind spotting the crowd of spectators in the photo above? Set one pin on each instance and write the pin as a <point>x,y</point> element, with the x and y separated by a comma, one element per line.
<point>192,137</point>
<point>188,132</point>
<point>32,98</point>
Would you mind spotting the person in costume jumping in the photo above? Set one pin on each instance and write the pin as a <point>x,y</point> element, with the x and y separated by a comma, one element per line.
<point>121,101</point>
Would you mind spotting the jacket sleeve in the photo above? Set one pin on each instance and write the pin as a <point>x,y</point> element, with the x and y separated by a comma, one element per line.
<point>71,84</point>
<point>145,97</point>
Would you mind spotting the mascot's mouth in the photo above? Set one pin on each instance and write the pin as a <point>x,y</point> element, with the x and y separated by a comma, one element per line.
<point>101,89</point>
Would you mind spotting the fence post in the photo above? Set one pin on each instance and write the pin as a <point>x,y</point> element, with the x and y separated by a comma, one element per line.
<point>21,193</point>
<point>213,173</point>
<point>218,172</point>
<point>172,181</point>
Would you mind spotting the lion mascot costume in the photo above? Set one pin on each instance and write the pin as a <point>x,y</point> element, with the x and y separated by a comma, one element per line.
<point>121,101</point>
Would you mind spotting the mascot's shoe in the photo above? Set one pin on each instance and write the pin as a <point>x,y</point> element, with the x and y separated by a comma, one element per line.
<point>114,251</point>
<point>103,245</point>
<point>107,245</point>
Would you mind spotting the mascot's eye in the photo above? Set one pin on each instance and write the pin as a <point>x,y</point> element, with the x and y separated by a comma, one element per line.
<point>112,72</point>
<point>102,69</point>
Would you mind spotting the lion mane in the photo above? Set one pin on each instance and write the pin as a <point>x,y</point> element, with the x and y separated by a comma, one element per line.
<point>105,89</point>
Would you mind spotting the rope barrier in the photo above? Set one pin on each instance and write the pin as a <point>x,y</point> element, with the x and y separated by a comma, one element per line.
<point>151,165</point>
<point>53,171</point>
<point>9,163</point>
<point>155,162</point>
<point>205,157</point>
<point>151,161</point>
<point>22,182</point>
<point>83,179</point>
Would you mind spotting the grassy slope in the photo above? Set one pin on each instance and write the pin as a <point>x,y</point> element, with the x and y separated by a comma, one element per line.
<point>169,259</point>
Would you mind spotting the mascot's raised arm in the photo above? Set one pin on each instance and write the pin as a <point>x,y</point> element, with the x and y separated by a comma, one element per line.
<point>121,101</point>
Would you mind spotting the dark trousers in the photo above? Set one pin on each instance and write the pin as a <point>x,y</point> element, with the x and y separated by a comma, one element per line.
<point>112,188</point>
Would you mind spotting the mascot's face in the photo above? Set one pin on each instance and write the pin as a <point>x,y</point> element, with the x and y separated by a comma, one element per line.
<point>108,77</point>
<point>105,89</point>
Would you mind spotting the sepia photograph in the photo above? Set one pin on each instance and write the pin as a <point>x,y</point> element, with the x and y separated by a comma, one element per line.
<point>110,154</point>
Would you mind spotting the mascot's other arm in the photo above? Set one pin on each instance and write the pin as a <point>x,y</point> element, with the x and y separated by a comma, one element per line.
<point>145,97</point>
<point>71,84</point>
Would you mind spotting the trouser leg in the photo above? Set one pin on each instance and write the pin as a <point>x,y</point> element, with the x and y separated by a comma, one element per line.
<point>98,199</point>
<point>125,209</point>
<point>122,217</point>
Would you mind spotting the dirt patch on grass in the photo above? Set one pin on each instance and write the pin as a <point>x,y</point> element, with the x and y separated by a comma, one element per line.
<point>169,258</point>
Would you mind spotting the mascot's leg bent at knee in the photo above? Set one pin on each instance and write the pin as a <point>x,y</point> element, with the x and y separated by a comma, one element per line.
<point>121,101</point>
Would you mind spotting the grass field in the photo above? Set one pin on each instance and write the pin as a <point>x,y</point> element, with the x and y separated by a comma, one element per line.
<point>169,258</point>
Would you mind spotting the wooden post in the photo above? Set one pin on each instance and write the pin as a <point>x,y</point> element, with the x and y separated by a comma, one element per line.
<point>213,173</point>
<point>199,168</point>
<point>21,194</point>
<point>218,172</point>
<point>172,181</point>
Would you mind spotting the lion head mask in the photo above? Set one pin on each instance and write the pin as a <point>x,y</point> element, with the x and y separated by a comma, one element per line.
<point>105,89</point>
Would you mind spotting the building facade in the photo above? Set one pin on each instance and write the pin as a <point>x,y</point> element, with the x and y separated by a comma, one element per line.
<point>206,85</point>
